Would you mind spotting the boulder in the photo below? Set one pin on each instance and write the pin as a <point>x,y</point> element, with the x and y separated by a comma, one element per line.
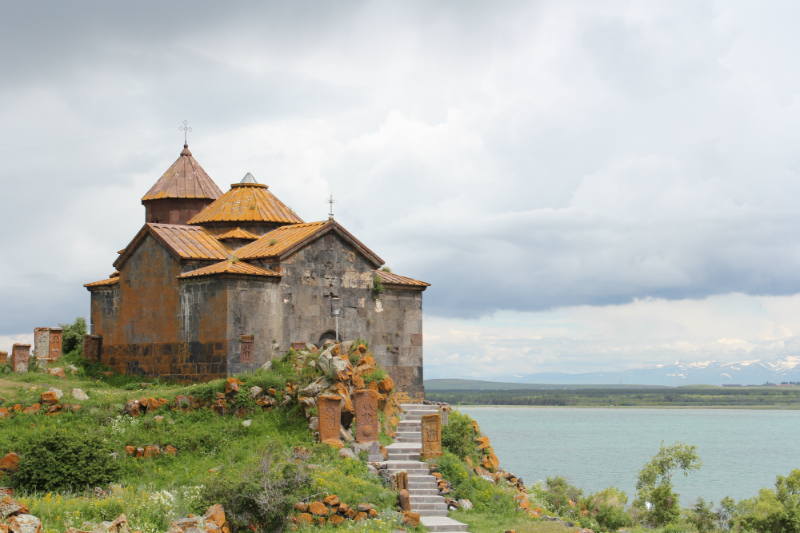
<point>78,394</point>
<point>246,423</point>
<point>335,520</point>
<point>9,507</point>
<point>131,408</point>
<point>33,409</point>
<point>305,518</point>
<point>410,518</point>
<point>255,391</point>
<point>58,372</point>
<point>318,509</point>
<point>336,443</point>
<point>10,462</point>
<point>232,385</point>
<point>25,523</point>
<point>332,500</point>
<point>386,385</point>
<point>215,515</point>
<point>4,413</point>
<point>49,398</point>
<point>483,443</point>
<point>301,506</point>
<point>346,453</point>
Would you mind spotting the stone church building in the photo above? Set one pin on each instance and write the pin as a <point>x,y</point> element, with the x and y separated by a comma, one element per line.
<point>220,283</point>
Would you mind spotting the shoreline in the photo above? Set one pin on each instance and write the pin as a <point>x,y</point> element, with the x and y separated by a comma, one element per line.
<point>729,407</point>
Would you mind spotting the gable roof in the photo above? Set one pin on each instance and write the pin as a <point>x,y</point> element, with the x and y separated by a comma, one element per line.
<point>182,242</point>
<point>287,240</point>
<point>237,233</point>
<point>184,179</point>
<point>388,278</point>
<point>229,267</point>
<point>247,202</point>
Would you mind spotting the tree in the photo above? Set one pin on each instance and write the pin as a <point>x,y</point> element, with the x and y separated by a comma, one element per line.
<point>654,485</point>
<point>72,336</point>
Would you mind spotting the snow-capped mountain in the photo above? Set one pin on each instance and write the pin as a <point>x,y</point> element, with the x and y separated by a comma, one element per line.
<point>754,372</point>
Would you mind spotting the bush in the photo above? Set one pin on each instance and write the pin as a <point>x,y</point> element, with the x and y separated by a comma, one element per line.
<point>57,460</point>
<point>379,374</point>
<point>458,437</point>
<point>72,335</point>
<point>560,494</point>
<point>263,496</point>
<point>609,509</point>
<point>484,494</point>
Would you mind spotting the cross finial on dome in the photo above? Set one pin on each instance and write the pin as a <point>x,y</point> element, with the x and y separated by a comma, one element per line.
<point>185,129</point>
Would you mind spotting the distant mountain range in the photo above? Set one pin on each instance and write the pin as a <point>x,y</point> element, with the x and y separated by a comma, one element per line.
<point>755,372</point>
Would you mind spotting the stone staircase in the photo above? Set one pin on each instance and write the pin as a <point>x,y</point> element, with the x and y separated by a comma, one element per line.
<point>422,488</point>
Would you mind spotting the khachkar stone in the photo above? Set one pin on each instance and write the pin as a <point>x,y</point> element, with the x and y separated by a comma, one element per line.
<point>56,334</point>
<point>19,357</point>
<point>431,436</point>
<point>246,356</point>
<point>366,415</point>
<point>41,343</point>
<point>330,417</point>
<point>47,344</point>
<point>91,347</point>
<point>3,357</point>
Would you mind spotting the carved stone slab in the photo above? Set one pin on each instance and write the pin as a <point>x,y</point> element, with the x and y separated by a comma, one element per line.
<point>3,357</point>
<point>431,436</point>
<point>248,343</point>
<point>91,347</point>
<point>366,415</point>
<point>19,357</point>
<point>330,417</point>
<point>56,334</point>
<point>41,343</point>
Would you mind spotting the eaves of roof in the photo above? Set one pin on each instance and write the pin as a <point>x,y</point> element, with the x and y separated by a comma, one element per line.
<point>230,267</point>
<point>102,283</point>
<point>392,281</point>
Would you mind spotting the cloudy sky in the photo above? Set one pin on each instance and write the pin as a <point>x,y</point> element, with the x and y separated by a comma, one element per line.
<point>587,185</point>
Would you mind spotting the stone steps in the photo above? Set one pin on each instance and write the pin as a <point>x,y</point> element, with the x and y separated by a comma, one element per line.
<point>422,487</point>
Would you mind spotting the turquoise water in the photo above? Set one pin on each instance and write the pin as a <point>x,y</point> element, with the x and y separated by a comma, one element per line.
<point>742,450</point>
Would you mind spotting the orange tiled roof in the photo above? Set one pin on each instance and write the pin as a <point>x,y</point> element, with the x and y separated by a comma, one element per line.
<point>229,267</point>
<point>183,242</point>
<point>289,239</point>
<point>247,202</point>
<point>237,233</point>
<point>184,179</point>
<point>393,279</point>
<point>102,283</point>
<point>279,240</point>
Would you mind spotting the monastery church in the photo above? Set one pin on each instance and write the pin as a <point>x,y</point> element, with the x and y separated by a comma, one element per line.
<point>220,283</point>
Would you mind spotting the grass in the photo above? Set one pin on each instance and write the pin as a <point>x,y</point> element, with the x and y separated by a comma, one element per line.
<point>492,522</point>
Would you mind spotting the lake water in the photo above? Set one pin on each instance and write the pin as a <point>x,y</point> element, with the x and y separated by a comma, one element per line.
<point>742,450</point>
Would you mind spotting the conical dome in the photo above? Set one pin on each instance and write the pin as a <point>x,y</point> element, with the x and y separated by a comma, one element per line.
<point>183,191</point>
<point>184,179</point>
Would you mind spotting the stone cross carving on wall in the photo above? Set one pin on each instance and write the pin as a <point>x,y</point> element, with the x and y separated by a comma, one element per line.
<point>246,356</point>
<point>431,436</point>
<point>330,417</point>
<point>366,415</point>
<point>91,347</point>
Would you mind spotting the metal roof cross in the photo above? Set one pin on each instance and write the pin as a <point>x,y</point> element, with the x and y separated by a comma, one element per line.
<point>331,201</point>
<point>185,129</point>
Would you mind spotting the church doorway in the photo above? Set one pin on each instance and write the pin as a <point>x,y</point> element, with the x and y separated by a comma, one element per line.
<point>329,335</point>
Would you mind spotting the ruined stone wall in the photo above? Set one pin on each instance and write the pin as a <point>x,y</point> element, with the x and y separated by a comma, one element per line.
<point>392,323</point>
<point>146,334</point>
<point>254,308</point>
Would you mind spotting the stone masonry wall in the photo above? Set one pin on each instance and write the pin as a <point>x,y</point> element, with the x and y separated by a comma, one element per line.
<point>144,330</point>
<point>254,308</point>
<point>392,323</point>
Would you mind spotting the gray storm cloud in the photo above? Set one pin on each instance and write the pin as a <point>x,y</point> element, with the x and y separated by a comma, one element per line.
<point>519,156</point>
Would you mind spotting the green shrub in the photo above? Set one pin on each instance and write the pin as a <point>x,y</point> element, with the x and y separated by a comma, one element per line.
<point>379,374</point>
<point>72,335</point>
<point>484,494</point>
<point>458,437</point>
<point>377,286</point>
<point>53,460</point>
<point>559,495</point>
<point>264,495</point>
<point>609,508</point>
